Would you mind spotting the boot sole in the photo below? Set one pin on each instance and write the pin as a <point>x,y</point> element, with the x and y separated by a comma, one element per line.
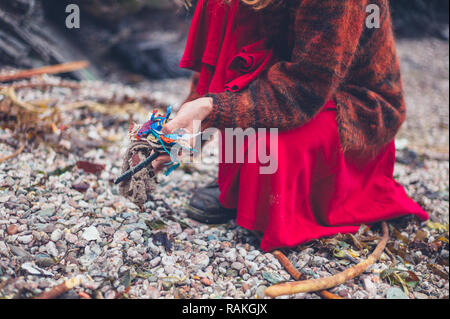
<point>200,216</point>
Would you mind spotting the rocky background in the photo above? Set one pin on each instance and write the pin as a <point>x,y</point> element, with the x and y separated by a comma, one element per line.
<point>61,216</point>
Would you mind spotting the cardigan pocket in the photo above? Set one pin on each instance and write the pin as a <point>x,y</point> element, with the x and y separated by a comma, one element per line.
<point>250,61</point>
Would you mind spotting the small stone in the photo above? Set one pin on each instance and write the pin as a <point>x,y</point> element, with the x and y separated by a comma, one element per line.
<point>370,287</point>
<point>174,229</point>
<point>252,255</point>
<point>120,235</point>
<point>20,252</point>
<point>155,261</point>
<point>34,270</point>
<point>43,260</point>
<point>169,270</point>
<point>237,265</point>
<point>260,291</point>
<point>319,261</point>
<point>200,242</point>
<point>91,233</point>
<point>206,281</point>
<point>201,260</point>
<point>108,212</point>
<point>81,187</point>
<point>343,293</point>
<point>110,294</point>
<point>132,253</point>
<point>12,229</point>
<point>419,295</point>
<point>71,238</point>
<point>242,252</point>
<point>167,285</point>
<point>271,277</point>
<point>90,195</point>
<point>396,293</point>
<point>47,212</point>
<point>56,235</point>
<point>231,273</point>
<point>136,235</point>
<point>3,249</point>
<point>49,228</point>
<point>4,198</point>
<point>252,267</point>
<point>51,249</point>
<point>168,260</point>
<point>25,239</point>
<point>231,255</point>
<point>153,293</point>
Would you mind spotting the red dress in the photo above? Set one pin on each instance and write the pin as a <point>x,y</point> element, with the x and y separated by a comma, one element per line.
<point>315,191</point>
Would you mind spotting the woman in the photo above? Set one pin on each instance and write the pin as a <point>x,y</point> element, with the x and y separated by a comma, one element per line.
<point>330,83</point>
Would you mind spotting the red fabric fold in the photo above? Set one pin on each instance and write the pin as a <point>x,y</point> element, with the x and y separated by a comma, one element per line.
<point>248,64</point>
<point>221,37</point>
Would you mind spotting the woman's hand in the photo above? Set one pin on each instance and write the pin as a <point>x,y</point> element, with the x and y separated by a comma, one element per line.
<point>189,112</point>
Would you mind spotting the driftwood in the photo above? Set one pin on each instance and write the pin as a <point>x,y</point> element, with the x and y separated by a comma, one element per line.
<point>60,289</point>
<point>52,69</point>
<point>290,288</point>
<point>290,268</point>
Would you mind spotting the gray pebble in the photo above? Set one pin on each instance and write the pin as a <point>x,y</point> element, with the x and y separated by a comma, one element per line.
<point>26,239</point>
<point>237,265</point>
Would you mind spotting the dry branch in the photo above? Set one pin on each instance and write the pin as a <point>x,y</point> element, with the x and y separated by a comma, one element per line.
<point>286,263</point>
<point>60,289</point>
<point>290,268</point>
<point>52,69</point>
<point>332,281</point>
<point>19,150</point>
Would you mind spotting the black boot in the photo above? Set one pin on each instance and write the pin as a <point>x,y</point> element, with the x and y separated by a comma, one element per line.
<point>205,207</point>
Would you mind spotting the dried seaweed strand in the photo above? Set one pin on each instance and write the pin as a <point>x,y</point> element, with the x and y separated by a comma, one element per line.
<point>105,109</point>
<point>297,275</point>
<point>11,94</point>
<point>52,69</point>
<point>332,281</point>
<point>7,157</point>
<point>60,289</point>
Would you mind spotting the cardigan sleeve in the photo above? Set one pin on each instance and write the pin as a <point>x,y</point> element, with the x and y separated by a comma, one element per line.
<point>290,93</point>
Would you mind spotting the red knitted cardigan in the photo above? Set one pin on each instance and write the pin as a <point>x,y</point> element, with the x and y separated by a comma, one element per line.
<point>327,52</point>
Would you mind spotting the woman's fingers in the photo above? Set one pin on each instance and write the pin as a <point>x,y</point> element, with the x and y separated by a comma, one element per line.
<point>189,112</point>
<point>170,127</point>
<point>159,163</point>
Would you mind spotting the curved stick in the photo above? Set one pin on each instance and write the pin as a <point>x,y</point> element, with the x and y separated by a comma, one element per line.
<point>332,281</point>
<point>290,268</point>
<point>7,157</point>
<point>60,289</point>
